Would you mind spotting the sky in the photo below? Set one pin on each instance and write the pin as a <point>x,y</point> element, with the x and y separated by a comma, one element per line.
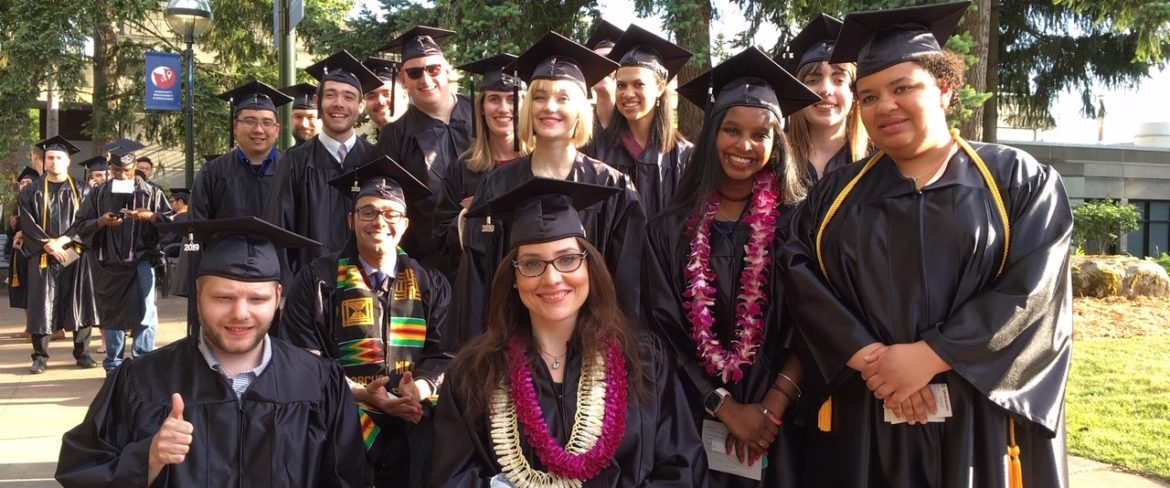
<point>1125,108</point>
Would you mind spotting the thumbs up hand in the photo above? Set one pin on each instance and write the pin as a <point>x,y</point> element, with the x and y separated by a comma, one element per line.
<point>172,441</point>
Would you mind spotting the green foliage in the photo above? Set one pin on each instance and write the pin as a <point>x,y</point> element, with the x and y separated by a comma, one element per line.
<point>1163,261</point>
<point>1098,224</point>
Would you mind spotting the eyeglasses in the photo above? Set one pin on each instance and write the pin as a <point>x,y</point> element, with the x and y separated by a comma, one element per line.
<point>417,72</point>
<point>253,122</point>
<point>536,267</point>
<point>368,213</point>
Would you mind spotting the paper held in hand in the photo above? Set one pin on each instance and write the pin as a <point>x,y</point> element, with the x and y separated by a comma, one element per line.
<point>714,442</point>
<point>942,401</point>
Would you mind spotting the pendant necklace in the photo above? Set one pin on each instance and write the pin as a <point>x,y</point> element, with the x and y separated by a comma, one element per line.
<point>556,360</point>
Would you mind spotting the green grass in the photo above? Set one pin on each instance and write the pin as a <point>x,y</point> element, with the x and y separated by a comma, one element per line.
<point>1118,403</point>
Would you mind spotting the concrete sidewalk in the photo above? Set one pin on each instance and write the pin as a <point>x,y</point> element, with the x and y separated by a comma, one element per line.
<point>35,410</point>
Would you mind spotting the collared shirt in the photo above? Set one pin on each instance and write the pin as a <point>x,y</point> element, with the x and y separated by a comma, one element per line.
<point>368,269</point>
<point>257,169</point>
<point>333,145</point>
<point>242,380</point>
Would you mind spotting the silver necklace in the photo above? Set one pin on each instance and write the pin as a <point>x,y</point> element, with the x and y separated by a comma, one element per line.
<point>556,360</point>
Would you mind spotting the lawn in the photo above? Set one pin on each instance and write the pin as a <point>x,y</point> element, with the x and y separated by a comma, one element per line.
<point>1118,402</point>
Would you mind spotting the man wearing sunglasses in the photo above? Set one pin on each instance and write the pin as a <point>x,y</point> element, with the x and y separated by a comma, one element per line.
<point>379,313</point>
<point>434,131</point>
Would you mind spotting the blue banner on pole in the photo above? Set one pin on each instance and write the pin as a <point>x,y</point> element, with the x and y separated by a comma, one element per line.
<point>163,89</point>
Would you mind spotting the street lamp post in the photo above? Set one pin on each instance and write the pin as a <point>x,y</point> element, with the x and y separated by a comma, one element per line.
<point>190,19</point>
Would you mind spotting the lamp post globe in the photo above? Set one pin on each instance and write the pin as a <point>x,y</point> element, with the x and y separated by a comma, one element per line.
<point>190,19</point>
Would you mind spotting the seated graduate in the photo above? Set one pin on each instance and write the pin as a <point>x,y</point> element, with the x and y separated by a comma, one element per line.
<point>230,407</point>
<point>379,313</point>
<point>560,390</point>
<point>930,285</point>
<point>711,281</point>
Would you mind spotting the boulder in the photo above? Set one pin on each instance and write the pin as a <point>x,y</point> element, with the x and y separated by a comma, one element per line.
<point>1123,276</point>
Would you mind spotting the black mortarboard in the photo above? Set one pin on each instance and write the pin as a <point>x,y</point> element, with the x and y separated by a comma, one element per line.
<point>180,191</point>
<point>342,67</point>
<point>122,151</point>
<point>813,44</point>
<point>749,79</point>
<point>58,143</point>
<point>254,95</point>
<point>96,163</point>
<point>241,248</point>
<point>555,57</point>
<point>878,39</point>
<point>640,47</point>
<point>384,69</point>
<point>495,77</point>
<point>604,35</point>
<point>418,42</point>
<point>543,209</point>
<point>383,178</point>
<point>207,158</point>
<point>302,94</point>
<point>30,173</point>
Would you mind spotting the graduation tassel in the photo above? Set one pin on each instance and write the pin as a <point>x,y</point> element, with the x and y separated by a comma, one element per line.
<point>1015,469</point>
<point>44,261</point>
<point>515,110</point>
<point>394,85</point>
<point>825,416</point>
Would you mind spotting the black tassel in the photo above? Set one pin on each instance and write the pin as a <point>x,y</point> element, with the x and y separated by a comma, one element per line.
<point>393,86</point>
<point>515,111</point>
<point>231,118</point>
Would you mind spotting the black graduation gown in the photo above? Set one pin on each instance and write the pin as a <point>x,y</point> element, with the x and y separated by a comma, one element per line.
<point>661,447</point>
<point>459,183</point>
<point>18,269</point>
<point>55,300</point>
<point>114,252</point>
<point>843,157</point>
<point>616,226</point>
<point>426,146</point>
<point>663,282</point>
<point>907,265</point>
<point>294,426</point>
<point>654,174</point>
<point>304,202</point>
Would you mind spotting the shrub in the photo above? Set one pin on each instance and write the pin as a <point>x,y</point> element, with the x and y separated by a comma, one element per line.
<point>1098,224</point>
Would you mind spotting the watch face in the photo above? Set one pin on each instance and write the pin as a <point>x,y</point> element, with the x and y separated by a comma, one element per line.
<point>712,401</point>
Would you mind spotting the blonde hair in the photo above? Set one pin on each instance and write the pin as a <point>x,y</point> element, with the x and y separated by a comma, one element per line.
<point>799,134</point>
<point>479,154</point>
<point>582,132</point>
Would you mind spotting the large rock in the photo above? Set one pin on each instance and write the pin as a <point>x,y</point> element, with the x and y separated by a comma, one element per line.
<point>1123,276</point>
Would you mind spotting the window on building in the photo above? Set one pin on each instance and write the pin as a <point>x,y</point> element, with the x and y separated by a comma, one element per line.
<point>1152,238</point>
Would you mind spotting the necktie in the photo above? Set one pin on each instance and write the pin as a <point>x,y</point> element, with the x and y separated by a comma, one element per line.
<point>341,152</point>
<point>376,279</point>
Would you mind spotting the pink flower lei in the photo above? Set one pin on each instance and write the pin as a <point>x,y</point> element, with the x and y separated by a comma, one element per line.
<point>699,296</point>
<point>559,461</point>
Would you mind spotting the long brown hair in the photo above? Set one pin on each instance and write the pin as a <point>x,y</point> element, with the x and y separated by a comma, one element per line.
<point>481,366</point>
<point>479,155</point>
<point>663,132</point>
<point>800,135</point>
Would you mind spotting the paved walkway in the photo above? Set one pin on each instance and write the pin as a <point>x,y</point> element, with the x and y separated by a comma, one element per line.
<point>36,410</point>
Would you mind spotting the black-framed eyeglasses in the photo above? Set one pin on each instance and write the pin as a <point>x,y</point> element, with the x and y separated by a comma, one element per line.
<point>368,213</point>
<point>417,72</point>
<point>532,267</point>
<point>253,122</point>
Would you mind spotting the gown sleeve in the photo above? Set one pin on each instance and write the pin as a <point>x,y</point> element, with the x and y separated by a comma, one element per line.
<point>304,322</point>
<point>200,205</point>
<point>624,249</point>
<point>35,237</point>
<point>85,224</point>
<point>679,460</point>
<point>342,464</point>
<point>458,458</point>
<point>102,450</point>
<point>436,356</point>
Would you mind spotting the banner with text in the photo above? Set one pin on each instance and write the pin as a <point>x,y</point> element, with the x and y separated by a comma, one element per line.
<point>163,89</point>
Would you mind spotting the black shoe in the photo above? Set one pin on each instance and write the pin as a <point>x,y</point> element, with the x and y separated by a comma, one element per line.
<point>86,362</point>
<point>38,365</point>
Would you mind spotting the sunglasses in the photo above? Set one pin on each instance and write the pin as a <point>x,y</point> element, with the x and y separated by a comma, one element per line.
<point>417,72</point>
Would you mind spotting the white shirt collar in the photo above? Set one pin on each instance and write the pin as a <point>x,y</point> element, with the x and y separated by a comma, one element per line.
<point>332,145</point>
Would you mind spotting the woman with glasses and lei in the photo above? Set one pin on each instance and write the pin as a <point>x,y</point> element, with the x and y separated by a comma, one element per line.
<point>642,140</point>
<point>712,283</point>
<point>828,134</point>
<point>560,389</point>
<point>930,285</point>
<point>495,144</point>
<point>555,120</point>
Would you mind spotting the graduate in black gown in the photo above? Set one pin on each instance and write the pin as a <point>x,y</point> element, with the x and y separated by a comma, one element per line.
<point>302,200</point>
<point>711,277</point>
<point>380,314</point>
<point>828,134</point>
<point>306,122</point>
<point>14,250</point>
<point>56,294</point>
<point>230,407</point>
<point>561,389</point>
<point>555,120</point>
<point>434,131</point>
<point>935,263</point>
<point>642,140</point>
<point>495,144</point>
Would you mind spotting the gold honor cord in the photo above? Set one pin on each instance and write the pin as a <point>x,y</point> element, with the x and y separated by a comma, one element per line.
<point>45,212</point>
<point>825,414</point>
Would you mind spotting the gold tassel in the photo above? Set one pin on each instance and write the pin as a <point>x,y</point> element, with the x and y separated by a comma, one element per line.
<point>825,416</point>
<point>44,260</point>
<point>15,277</point>
<point>1015,469</point>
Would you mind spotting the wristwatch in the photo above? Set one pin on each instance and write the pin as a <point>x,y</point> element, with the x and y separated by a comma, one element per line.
<point>714,400</point>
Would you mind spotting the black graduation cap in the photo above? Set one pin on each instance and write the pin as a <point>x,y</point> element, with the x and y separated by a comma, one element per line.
<point>383,178</point>
<point>878,39</point>
<point>543,209</point>
<point>495,77</point>
<point>254,95</point>
<point>29,173</point>
<point>604,35</point>
<point>122,151</point>
<point>555,57</point>
<point>749,79</point>
<point>418,42</point>
<point>96,163</point>
<point>640,47</point>
<point>57,143</point>
<point>302,95</point>
<point>180,191</point>
<point>241,248</point>
<point>384,69</point>
<point>342,67</point>
<point>813,44</point>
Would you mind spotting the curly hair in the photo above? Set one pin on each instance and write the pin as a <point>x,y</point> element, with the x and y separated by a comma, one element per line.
<point>948,70</point>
